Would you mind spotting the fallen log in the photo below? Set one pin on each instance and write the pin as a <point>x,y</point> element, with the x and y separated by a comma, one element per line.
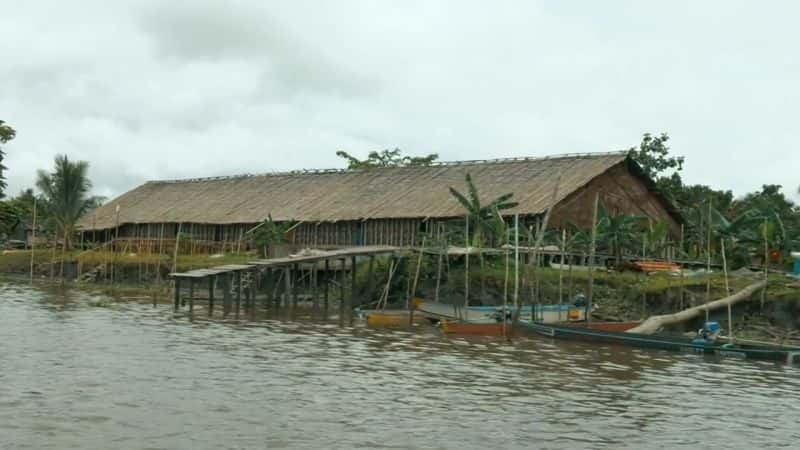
<point>655,323</point>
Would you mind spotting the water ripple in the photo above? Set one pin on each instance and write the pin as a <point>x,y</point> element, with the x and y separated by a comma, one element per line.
<point>131,376</point>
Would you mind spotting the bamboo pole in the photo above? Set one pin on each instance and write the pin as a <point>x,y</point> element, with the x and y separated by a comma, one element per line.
<point>33,237</point>
<point>516,262</point>
<point>708,257</point>
<point>505,289</point>
<point>113,251</point>
<point>466,268</point>
<point>592,250</point>
<point>63,256</point>
<point>727,288</point>
<point>561,271</point>
<point>393,265</point>
<point>177,244</point>
<point>416,274</point>
<point>766,265</point>
<point>160,253</point>
<point>53,257</point>
<point>655,323</point>
<point>438,277</point>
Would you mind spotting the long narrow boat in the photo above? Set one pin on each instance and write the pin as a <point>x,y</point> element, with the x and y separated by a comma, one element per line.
<point>496,329</point>
<point>494,314</point>
<point>790,355</point>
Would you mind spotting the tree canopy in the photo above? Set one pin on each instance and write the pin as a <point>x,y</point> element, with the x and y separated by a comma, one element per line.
<point>386,158</point>
<point>6,134</point>
<point>65,195</point>
<point>653,156</point>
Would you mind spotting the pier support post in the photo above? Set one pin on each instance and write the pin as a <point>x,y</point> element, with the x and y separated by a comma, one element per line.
<point>315,288</point>
<point>191,295</point>
<point>249,300</point>
<point>326,288</point>
<point>353,290</point>
<point>294,274</point>
<point>341,291</point>
<point>211,295</point>
<point>238,292</point>
<point>371,278</point>
<point>226,294</point>
<point>177,293</point>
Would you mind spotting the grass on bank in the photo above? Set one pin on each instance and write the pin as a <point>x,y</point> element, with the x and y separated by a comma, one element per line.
<point>16,261</point>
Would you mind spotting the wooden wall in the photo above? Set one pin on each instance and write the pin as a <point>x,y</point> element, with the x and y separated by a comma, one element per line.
<point>399,232</point>
<point>621,193</point>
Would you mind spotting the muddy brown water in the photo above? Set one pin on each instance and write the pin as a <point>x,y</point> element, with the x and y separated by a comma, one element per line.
<point>129,376</point>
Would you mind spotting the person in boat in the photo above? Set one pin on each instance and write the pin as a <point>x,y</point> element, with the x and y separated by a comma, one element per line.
<point>708,334</point>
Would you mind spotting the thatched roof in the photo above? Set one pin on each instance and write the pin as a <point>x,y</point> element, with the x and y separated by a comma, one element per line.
<point>336,195</point>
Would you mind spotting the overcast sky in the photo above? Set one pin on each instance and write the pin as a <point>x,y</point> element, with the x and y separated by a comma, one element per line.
<point>173,89</point>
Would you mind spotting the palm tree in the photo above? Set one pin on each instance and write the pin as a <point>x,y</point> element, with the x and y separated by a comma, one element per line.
<point>482,218</point>
<point>65,194</point>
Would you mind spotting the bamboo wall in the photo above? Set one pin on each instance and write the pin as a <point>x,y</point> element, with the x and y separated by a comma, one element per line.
<point>205,238</point>
<point>399,232</point>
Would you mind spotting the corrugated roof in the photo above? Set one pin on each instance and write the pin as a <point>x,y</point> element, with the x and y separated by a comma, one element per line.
<point>330,195</point>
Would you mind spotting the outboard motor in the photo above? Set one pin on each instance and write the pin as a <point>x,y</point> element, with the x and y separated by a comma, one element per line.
<point>708,334</point>
<point>500,314</point>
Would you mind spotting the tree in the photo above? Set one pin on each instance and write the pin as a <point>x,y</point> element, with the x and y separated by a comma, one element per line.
<point>618,232</point>
<point>6,134</point>
<point>652,155</point>
<point>386,158</point>
<point>65,196</point>
<point>482,217</point>
<point>269,232</point>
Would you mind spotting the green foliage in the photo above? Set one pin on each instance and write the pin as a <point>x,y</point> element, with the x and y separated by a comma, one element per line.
<point>618,233</point>
<point>652,155</point>
<point>6,134</point>
<point>386,158</point>
<point>270,232</point>
<point>15,211</point>
<point>65,196</point>
<point>483,218</point>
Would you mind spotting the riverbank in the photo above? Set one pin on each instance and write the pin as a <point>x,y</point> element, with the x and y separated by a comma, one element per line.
<point>624,296</point>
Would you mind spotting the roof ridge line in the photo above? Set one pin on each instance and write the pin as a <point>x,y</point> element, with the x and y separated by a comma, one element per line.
<point>434,164</point>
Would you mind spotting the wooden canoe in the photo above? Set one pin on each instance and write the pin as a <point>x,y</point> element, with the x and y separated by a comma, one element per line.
<point>496,329</point>
<point>493,314</point>
<point>790,355</point>
<point>388,318</point>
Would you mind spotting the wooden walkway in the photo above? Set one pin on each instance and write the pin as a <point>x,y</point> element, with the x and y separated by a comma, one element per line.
<point>233,275</point>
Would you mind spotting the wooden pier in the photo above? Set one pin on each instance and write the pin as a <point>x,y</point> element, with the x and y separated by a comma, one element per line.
<point>277,279</point>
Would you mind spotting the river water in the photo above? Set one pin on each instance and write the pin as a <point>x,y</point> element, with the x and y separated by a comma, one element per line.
<point>130,376</point>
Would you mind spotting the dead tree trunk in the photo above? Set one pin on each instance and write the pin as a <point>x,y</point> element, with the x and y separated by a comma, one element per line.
<point>655,323</point>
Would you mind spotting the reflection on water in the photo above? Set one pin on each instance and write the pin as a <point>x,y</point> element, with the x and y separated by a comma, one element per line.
<point>131,376</point>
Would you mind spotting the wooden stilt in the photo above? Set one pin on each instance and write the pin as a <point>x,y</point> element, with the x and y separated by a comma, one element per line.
<point>238,292</point>
<point>177,293</point>
<point>295,298</point>
<point>314,288</point>
<point>191,295</point>
<point>226,294</point>
<point>371,279</point>
<point>249,300</point>
<point>353,289</point>
<point>287,287</point>
<point>341,292</point>
<point>269,284</point>
<point>326,288</point>
<point>211,295</point>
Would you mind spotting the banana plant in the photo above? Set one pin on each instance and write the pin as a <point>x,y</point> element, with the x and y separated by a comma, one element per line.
<point>480,215</point>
